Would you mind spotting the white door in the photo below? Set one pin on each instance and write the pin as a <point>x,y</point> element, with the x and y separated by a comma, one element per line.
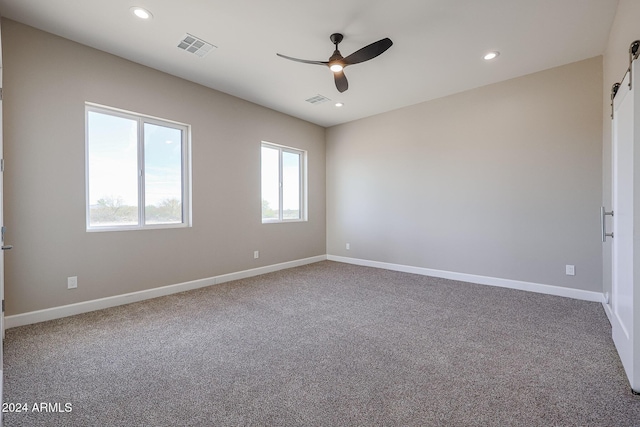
<point>625,295</point>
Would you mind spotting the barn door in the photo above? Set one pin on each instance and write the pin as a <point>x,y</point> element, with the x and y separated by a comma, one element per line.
<point>625,218</point>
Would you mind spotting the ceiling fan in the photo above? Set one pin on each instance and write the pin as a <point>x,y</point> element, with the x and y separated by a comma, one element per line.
<point>337,62</point>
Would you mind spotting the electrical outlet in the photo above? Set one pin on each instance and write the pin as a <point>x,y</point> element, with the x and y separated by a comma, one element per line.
<point>570,270</point>
<point>72,282</point>
<point>348,246</point>
<point>256,254</point>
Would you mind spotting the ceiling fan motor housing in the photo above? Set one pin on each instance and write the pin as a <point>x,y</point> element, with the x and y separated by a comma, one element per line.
<point>336,38</point>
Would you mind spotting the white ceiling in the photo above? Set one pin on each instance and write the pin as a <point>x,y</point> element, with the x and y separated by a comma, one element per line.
<point>437,51</point>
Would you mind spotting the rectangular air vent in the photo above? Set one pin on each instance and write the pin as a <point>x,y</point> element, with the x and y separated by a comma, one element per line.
<point>195,45</point>
<point>318,99</point>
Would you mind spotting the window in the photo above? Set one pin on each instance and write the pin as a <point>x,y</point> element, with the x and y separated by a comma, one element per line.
<point>283,183</point>
<point>137,171</point>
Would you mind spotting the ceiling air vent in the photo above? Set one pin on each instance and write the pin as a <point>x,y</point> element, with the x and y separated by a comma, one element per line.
<point>195,45</point>
<point>318,99</point>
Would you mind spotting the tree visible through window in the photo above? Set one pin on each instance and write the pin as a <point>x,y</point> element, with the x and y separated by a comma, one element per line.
<point>283,178</point>
<point>136,171</point>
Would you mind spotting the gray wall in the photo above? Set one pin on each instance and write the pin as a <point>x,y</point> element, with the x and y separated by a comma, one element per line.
<point>624,31</point>
<point>502,181</point>
<point>47,80</point>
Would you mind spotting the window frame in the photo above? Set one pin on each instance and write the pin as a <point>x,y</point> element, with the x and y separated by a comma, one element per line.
<point>141,120</point>
<point>302,183</point>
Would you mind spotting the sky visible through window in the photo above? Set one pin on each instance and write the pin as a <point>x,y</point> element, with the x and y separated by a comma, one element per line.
<point>270,182</point>
<point>113,171</point>
<point>290,183</point>
<point>113,158</point>
<point>163,163</point>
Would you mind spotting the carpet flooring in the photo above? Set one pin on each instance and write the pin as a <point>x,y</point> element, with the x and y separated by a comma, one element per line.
<point>327,344</point>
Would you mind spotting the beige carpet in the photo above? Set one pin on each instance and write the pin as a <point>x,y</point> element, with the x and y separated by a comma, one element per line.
<point>326,344</point>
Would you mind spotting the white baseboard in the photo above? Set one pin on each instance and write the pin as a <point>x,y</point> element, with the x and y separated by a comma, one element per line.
<point>482,280</point>
<point>102,303</point>
<point>99,304</point>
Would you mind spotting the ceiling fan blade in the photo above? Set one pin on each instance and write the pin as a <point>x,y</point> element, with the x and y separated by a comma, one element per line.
<point>341,81</point>
<point>368,52</point>
<point>303,60</point>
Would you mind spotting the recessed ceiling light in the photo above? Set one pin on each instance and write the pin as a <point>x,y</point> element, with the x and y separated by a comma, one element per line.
<point>491,55</point>
<point>339,104</point>
<point>141,13</point>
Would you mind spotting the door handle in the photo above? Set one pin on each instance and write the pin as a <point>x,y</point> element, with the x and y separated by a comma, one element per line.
<point>604,213</point>
<point>6,247</point>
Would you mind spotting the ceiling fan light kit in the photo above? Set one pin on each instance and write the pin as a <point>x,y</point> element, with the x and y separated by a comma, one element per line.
<point>337,63</point>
